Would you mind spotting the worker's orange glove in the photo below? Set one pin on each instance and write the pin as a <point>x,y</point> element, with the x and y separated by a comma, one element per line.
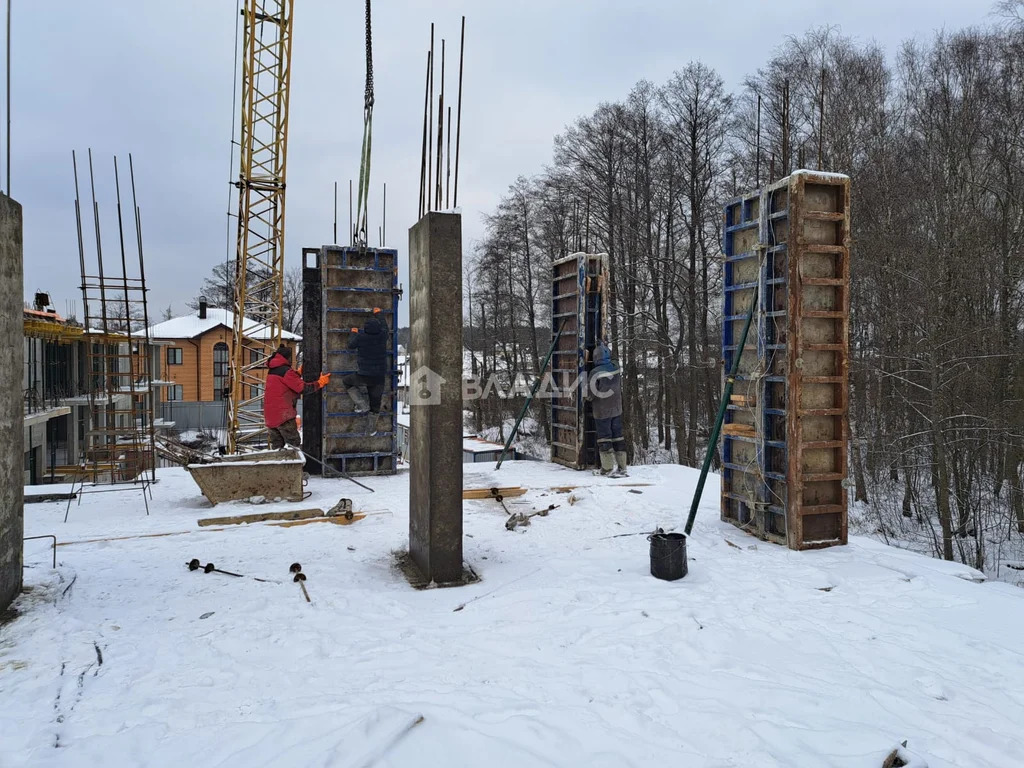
<point>354,330</point>
<point>323,380</point>
<point>299,370</point>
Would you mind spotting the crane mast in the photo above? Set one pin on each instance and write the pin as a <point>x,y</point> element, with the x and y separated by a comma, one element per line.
<point>259,263</point>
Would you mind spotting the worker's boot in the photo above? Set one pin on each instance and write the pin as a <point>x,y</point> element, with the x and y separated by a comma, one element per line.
<point>620,460</point>
<point>360,401</point>
<point>607,463</point>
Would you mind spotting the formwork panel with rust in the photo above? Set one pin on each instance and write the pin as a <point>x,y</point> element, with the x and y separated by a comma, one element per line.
<point>578,292</point>
<point>354,281</point>
<point>785,437</point>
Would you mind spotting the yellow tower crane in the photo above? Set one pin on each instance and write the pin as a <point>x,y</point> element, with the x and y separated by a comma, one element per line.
<point>259,265</point>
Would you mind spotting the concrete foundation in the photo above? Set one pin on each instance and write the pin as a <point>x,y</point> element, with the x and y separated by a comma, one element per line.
<point>435,484</point>
<point>12,350</point>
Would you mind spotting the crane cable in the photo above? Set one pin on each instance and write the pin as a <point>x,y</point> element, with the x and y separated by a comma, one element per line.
<point>363,203</point>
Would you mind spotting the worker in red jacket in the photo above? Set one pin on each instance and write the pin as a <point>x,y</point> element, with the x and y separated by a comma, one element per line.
<point>284,385</point>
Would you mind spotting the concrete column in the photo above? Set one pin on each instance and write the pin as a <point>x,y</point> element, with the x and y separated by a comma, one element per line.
<point>435,392</point>
<point>12,418</point>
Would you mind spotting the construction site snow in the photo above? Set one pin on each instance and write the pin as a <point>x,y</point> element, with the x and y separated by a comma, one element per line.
<point>566,652</point>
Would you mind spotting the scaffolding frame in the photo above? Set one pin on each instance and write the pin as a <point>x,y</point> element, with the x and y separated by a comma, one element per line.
<point>120,441</point>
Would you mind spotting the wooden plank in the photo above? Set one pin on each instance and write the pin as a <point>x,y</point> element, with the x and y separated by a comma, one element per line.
<point>336,519</point>
<point>490,493</point>
<point>37,498</point>
<point>259,517</point>
<point>127,538</point>
<point>741,430</point>
<point>568,488</point>
<point>823,477</point>
<point>823,509</point>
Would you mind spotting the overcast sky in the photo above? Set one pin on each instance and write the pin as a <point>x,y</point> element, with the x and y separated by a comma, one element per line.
<point>155,79</point>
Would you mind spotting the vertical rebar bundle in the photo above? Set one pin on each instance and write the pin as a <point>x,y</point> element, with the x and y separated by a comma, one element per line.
<point>436,177</point>
<point>121,432</point>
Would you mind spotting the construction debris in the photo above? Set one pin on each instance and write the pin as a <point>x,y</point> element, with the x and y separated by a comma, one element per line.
<point>177,452</point>
<point>343,508</point>
<point>522,519</point>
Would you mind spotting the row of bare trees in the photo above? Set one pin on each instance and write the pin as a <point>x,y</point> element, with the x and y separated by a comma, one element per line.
<point>933,140</point>
<point>218,291</point>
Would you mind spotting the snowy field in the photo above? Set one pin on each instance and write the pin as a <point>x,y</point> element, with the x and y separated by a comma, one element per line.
<point>567,653</point>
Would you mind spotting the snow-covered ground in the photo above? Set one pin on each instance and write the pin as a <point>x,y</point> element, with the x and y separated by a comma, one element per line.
<point>567,653</point>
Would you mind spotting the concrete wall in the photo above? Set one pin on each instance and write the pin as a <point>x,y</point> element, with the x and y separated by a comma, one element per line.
<point>12,457</point>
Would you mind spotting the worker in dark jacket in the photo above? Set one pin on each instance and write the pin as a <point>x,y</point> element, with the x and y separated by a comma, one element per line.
<point>605,394</point>
<point>370,344</point>
<point>284,385</point>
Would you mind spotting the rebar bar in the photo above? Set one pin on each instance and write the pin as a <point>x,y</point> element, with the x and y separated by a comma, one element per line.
<point>448,160</point>
<point>440,133</point>
<point>430,122</point>
<point>423,150</point>
<point>458,119</point>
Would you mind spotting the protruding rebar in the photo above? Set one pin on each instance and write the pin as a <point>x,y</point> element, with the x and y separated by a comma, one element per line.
<point>423,151</point>
<point>440,133</point>
<point>430,122</point>
<point>448,160</point>
<point>458,118</point>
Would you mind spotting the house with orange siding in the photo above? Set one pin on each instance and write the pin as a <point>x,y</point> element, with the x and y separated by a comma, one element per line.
<point>197,351</point>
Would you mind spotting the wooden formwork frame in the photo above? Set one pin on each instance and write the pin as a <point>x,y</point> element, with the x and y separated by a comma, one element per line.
<point>785,440</point>
<point>579,286</point>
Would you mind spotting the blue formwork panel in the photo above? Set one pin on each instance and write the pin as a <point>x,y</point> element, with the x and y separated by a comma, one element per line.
<point>354,282</point>
<point>749,453</point>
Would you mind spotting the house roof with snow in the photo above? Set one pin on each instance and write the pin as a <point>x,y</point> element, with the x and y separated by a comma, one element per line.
<point>193,326</point>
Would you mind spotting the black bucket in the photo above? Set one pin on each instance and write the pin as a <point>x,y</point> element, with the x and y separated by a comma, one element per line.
<point>668,555</point>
